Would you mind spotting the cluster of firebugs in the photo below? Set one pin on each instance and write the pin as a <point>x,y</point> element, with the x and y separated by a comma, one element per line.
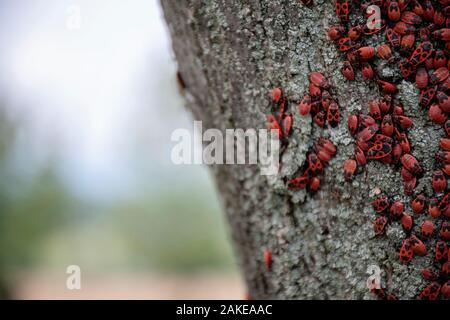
<point>417,40</point>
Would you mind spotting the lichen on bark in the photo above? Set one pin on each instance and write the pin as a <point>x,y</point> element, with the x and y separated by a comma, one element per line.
<point>230,55</point>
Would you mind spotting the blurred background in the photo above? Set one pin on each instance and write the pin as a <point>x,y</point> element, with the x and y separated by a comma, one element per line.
<point>88,101</point>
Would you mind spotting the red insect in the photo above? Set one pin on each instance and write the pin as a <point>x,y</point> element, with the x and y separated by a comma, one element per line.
<point>381,138</point>
<point>355,32</point>
<point>366,121</point>
<point>403,121</point>
<point>427,30</point>
<point>393,37</point>
<point>445,86</point>
<point>445,271</point>
<point>438,181</point>
<point>327,145</point>
<point>394,11</point>
<point>319,80</point>
<point>349,169</point>
<point>272,124</point>
<point>444,233</point>
<point>417,246</point>
<point>442,34</point>
<point>433,208</point>
<point>407,43</point>
<point>314,164</point>
<point>418,203</point>
<point>446,212</point>
<point>409,186</point>
<point>428,13</point>
<point>333,114</point>
<point>422,78</point>
<point>380,204</point>
<point>379,224</point>
<point>319,119</point>
<point>411,164</point>
<point>441,251</point>
<point>422,52</point>
<point>406,68</point>
<point>406,253</point>
<point>426,96</point>
<point>352,122</point>
<point>287,125</point>
<point>417,8</point>
<point>314,91</point>
<point>439,18</point>
<point>429,64</point>
<point>396,209</point>
<point>407,175</point>
<point>299,183</point>
<point>445,201</point>
<point>345,44</point>
<point>360,157</point>
<point>437,115</point>
<point>407,222</point>
<point>322,154</point>
<point>336,32</point>
<point>305,105</point>
<point>367,71</point>
<point>387,87</point>
<point>326,99</point>
<point>445,144</point>
<point>365,53</point>
<point>404,143</point>
<point>385,103</point>
<point>429,274</point>
<point>410,17</point>
<point>440,60</point>
<point>439,75</point>
<point>277,94</point>
<point>404,28</point>
<point>396,153</point>
<point>446,169</point>
<point>347,71</point>
<point>447,47</point>
<point>385,52</point>
<point>379,150</point>
<point>444,101</point>
<point>374,110</point>
<point>427,229</point>
<point>445,289</point>
<point>430,292</point>
<point>314,184</point>
<point>367,133</point>
<point>268,258</point>
<point>342,9</point>
<point>443,156</point>
<point>447,127</point>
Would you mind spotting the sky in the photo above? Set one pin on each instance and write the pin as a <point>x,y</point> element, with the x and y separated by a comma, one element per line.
<point>93,84</point>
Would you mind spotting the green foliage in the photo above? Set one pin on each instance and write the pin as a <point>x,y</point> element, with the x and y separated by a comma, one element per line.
<point>179,231</point>
<point>28,218</point>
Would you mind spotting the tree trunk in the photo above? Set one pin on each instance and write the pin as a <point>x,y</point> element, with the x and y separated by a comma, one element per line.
<point>230,55</point>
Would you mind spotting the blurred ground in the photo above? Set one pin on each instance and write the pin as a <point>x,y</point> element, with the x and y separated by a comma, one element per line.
<point>138,286</point>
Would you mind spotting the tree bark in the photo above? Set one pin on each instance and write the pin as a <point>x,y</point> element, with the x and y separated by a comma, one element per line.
<point>230,55</point>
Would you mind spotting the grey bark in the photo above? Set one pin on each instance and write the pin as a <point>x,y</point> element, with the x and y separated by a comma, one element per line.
<point>230,55</point>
